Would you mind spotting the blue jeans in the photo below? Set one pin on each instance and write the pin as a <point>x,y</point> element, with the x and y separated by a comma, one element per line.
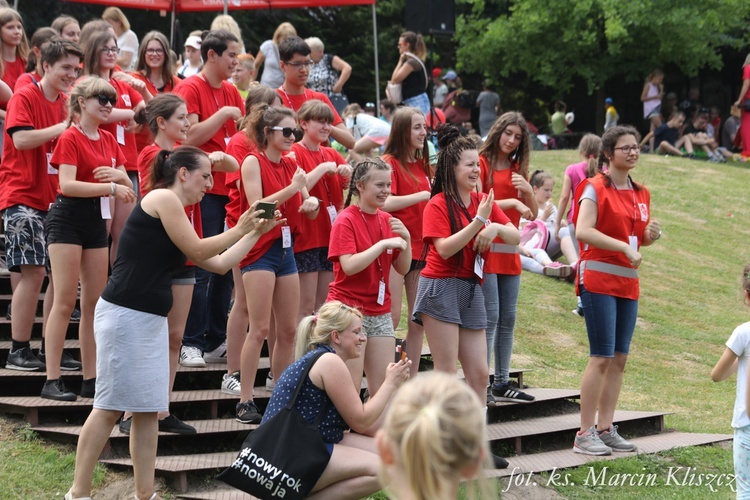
<point>206,326</point>
<point>501,301</point>
<point>610,322</point>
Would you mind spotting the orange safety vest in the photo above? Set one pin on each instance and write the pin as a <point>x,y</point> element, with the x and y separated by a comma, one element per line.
<point>621,213</point>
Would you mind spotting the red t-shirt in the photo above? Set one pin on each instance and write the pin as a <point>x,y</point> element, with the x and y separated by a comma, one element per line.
<point>27,79</point>
<point>204,100</point>
<point>501,182</point>
<point>144,138</point>
<point>296,101</point>
<point>25,178</point>
<point>127,98</point>
<point>436,224</point>
<point>329,190</point>
<point>12,71</point>
<point>273,177</point>
<point>353,232</point>
<point>746,76</point>
<point>74,148</point>
<point>239,147</point>
<point>405,182</point>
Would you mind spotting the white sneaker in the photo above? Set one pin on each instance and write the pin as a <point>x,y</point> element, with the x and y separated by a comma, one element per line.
<point>270,382</point>
<point>218,355</point>
<point>230,384</point>
<point>191,356</point>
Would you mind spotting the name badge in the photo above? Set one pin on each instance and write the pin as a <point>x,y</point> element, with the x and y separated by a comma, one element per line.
<point>331,213</point>
<point>106,211</point>
<point>381,293</point>
<point>633,242</point>
<point>50,169</point>
<point>120,135</point>
<point>286,237</point>
<point>479,266</point>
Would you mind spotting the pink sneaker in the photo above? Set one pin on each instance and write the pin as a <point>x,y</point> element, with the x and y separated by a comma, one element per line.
<point>557,270</point>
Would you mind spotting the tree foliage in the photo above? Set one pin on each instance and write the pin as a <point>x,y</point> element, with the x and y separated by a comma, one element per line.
<point>555,43</point>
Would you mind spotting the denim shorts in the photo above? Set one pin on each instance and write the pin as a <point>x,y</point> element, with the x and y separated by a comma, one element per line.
<point>313,260</point>
<point>277,259</point>
<point>378,326</point>
<point>610,322</point>
<point>76,221</point>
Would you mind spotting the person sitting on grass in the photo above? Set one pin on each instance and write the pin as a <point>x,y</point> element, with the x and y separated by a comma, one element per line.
<point>667,137</point>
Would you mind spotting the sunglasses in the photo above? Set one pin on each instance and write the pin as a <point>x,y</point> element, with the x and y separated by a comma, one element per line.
<point>288,132</point>
<point>104,99</point>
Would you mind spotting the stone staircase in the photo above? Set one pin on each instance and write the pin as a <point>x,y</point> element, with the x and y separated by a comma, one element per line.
<point>536,436</point>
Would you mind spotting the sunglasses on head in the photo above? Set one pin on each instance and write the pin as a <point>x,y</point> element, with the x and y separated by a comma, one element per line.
<point>104,99</point>
<point>288,132</point>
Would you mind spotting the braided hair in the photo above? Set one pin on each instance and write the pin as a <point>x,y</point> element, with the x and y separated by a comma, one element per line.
<point>361,174</point>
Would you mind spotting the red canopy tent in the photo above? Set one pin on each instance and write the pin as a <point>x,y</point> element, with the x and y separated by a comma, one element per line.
<point>177,6</point>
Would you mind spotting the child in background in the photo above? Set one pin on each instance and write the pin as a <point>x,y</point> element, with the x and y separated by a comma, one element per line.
<point>667,138</point>
<point>193,61</point>
<point>735,358</point>
<point>610,116</point>
<point>244,74</point>
<point>432,438</point>
<point>651,95</point>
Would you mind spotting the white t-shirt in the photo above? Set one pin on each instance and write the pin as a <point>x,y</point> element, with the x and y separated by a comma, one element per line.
<point>365,125</point>
<point>272,74</point>
<point>739,343</point>
<point>128,42</point>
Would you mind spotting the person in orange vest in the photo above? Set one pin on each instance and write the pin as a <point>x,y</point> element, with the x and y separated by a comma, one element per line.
<point>612,223</point>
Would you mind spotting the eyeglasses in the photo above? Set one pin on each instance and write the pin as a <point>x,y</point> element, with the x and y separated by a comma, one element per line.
<point>630,149</point>
<point>155,52</point>
<point>288,131</point>
<point>104,99</point>
<point>298,65</point>
<point>110,50</point>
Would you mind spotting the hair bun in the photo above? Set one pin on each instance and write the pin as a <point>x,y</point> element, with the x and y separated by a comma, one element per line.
<point>446,134</point>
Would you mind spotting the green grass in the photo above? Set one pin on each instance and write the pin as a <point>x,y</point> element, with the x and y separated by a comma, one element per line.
<point>690,303</point>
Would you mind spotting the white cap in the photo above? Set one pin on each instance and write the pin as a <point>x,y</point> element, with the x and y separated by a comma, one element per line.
<point>194,42</point>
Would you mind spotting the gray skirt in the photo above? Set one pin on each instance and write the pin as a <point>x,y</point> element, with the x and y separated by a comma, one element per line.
<point>132,359</point>
<point>452,300</point>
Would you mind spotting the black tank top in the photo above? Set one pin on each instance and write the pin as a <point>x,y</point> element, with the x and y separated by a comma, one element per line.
<point>146,260</point>
<point>415,82</point>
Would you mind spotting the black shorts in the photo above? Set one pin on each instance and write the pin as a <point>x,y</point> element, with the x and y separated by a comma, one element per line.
<point>185,276</point>
<point>76,221</point>
<point>313,260</point>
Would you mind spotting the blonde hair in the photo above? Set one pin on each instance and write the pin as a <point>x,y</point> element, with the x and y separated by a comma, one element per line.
<point>8,15</point>
<point>87,87</point>
<point>332,317</point>
<point>590,148</point>
<point>227,23</point>
<point>115,14</point>
<point>435,430</point>
<point>283,31</point>
<point>315,43</point>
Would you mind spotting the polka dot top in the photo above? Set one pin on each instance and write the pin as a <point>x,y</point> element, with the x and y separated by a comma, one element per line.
<point>310,400</point>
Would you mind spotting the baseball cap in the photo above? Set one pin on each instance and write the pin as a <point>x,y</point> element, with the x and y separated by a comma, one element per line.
<point>194,42</point>
<point>608,100</point>
<point>451,75</point>
<point>436,71</point>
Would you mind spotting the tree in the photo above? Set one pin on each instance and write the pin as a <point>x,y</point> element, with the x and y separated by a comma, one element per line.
<point>554,43</point>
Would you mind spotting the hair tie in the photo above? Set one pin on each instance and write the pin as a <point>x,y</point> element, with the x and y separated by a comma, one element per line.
<point>165,155</point>
<point>592,156</point>
<point>315,319</point>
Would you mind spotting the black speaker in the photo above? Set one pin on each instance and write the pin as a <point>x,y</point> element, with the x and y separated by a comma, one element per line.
<point>431,17</point>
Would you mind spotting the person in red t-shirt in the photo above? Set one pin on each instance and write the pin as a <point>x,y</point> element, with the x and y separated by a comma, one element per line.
<point>241,145</point>
<point>154,68</point>
<point>407,153</point>
<point>327,174</point>
<point>15,49</point>
<point>214,106</point>
<point>36,118</point>
<point>91,170</point>
<point>100,58</point>
<point>504,160</point>
<point>459,227</point>
<point>296,63</point>
<point>34,63</point>
<point>365,242</point>
<point>613,222</point>
<point>269,272</point>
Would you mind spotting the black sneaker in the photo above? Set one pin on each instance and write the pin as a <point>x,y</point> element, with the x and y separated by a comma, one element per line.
<point>75,316</point>
<point>24,360</point>
<point>248,413</point>
<point>499,462</point>
<point>490,398</point>
<point>55,389</point>
<point>507,392</point>
<point>125,426</point>
<point>88,388</point>
<point>7,314</point>
<point>175,425</point>
<point>67,363</point>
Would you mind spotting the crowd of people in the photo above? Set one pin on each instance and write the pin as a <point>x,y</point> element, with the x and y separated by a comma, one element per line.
<point>235,210</point>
